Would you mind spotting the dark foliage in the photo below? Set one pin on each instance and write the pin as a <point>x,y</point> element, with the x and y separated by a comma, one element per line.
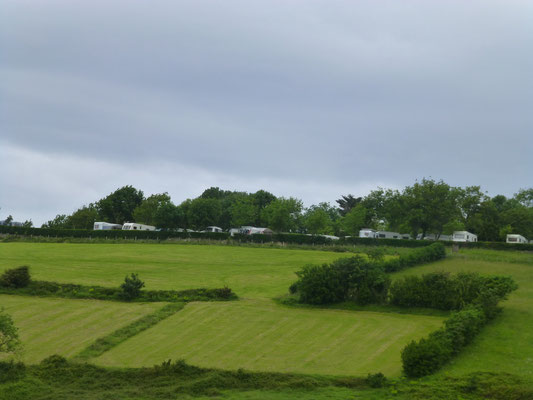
<point>443,291</point>
<point>430,354</point>
<point>73,291</point>
<point>16,277</point>
<point>346,279</point>
<point>131,288</point>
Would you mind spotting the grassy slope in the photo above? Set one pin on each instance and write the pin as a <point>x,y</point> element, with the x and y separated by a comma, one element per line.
<point>57,326</point>
<point>250,272</point>
<point>263,336</point>
<point>506,344</point>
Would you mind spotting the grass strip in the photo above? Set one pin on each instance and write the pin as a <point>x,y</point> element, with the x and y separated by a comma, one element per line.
<point>105,343</point>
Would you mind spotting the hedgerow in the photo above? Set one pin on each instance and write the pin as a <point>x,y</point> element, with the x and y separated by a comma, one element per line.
<point>430,354</point>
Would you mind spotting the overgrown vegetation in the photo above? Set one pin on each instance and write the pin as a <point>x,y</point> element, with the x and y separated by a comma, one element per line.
<point>130,290</point>
<point>57,378</point>
<point>15,277</point>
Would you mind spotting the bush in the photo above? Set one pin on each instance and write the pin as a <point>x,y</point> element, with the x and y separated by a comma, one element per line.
<point>346,279</point>
<point>427,355</point>
<point>11,371</point>
<point>16,277</point>
<point>376,380</point>
<point>131,288</point>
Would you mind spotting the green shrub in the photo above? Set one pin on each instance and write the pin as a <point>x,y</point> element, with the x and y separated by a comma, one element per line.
<point>376,380</point>
<point>346,279</point>
<point>427,355</point>
<point>11,371</point>
<point>16,277</point>
<point>131,288</point>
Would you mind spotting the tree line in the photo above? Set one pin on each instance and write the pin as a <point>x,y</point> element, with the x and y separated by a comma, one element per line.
<point>426,207</point>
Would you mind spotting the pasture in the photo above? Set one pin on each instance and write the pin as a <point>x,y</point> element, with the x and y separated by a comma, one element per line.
<point>254,333</point>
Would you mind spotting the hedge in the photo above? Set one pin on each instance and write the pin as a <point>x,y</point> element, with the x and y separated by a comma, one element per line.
<point>443,291</point>
<point>430,354</point>
<point>289,238</point>
<point>433,252</point>
<point>73,291</point>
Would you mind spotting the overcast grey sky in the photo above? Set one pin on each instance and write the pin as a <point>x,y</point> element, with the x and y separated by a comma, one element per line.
<point>313,99</point>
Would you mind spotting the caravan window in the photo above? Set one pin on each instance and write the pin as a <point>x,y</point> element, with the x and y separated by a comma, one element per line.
<point>460,235</point>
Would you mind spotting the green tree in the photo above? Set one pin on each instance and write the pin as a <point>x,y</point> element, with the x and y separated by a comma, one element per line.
<point>118,207</point>
<point>243,212</point>
<point>525,197</point>
<point>346,203</point>
<point>283,214</point>
<point>354,221</point>
<point>203,212</point>
<point>169,216</point>
<point>146,212</point>
<point>9,340</point>
<point>317,221</point>
<point>59,222</point>
<point>430,205</point>
<point>83,218</point>
<point>261,199</point>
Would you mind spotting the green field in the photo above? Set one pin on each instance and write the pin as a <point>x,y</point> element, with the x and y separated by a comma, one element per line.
<point>250,272</point>
<point>263,336</point>
<point>255,333</point>
<point>57,326</point>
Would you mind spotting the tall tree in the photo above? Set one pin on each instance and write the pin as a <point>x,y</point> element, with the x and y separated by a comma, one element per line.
<point>283,214</point>
<point>146,212</point>
<point>354,221</point>
<point>83,218</point>
<point>318,221</point>
<point>202,213</point>
<point>118,207</point>
<point>346,203</point>
<point>430,205</point>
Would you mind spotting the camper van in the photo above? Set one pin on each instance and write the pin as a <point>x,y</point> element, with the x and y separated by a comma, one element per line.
<point>368,233</point>
<point>106,226</point>
<point>132,226</point>
<point>464,236</point>
<point>512,238</point>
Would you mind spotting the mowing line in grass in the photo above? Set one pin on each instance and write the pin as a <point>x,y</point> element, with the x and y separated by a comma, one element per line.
<point>103,344</point>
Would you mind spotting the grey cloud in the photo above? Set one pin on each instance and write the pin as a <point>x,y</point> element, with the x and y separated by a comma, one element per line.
<point>355,94</point>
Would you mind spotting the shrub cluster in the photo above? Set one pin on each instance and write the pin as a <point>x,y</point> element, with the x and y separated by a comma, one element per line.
<point>447,292</point>
<point>429,354</point>
<point>346,279</point>
<point>16,277</point>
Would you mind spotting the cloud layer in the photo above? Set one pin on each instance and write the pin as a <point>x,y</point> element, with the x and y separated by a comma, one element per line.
<point>307,98</point>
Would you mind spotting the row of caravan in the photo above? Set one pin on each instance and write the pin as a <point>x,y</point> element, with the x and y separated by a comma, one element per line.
<point>458,236</point>
<point>128,226</point>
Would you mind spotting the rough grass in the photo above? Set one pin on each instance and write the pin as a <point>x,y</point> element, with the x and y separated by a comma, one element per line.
<point>261,335</point>
<point>249,272</point>
<point>56,326</point>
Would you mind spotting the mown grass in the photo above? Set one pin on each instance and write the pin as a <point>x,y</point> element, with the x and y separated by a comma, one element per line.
<point>249,272</point>
<point>56,326</point>
<point>103,344</point>
<point>261,335</point>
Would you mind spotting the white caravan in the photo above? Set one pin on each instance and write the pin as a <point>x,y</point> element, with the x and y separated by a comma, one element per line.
<point>388,235</point>
<point>215,229</point>
<point>106,226</point>
<point>512,238</point>
<point>367,233</point>
<point>132,226</point>
<point>464,236</point>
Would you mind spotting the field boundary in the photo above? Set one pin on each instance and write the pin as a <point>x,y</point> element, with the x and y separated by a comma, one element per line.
<point>106,343</point>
